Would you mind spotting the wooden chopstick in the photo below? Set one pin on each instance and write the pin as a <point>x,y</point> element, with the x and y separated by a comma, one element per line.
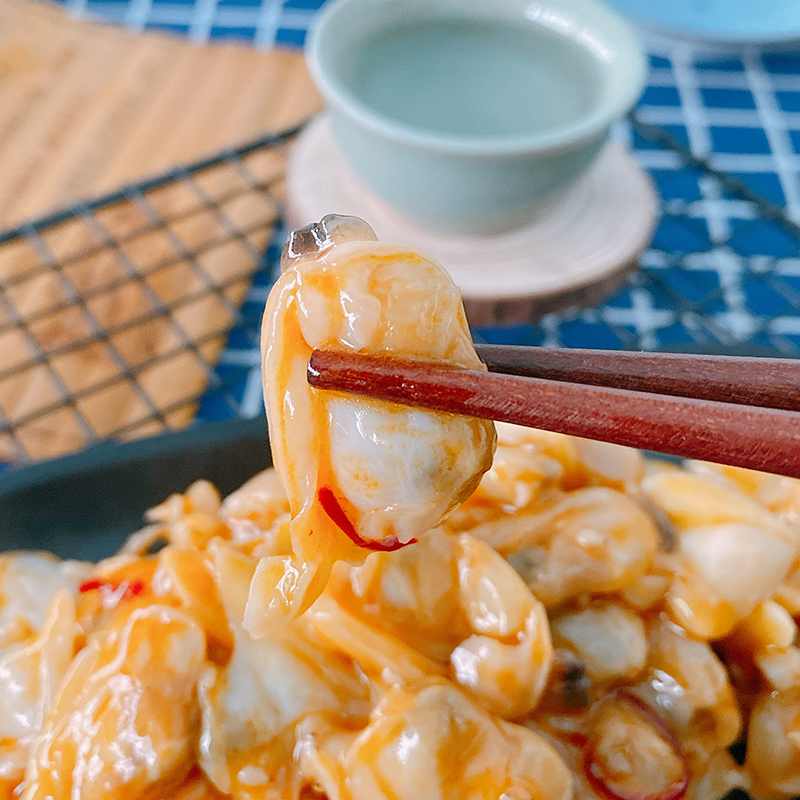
<point>766,382</point>
<point>765,439</point>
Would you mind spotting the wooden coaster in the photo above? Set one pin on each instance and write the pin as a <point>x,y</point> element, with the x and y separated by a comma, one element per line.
<point>573,253</point>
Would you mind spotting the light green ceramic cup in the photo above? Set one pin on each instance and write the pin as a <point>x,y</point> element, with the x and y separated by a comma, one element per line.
<point>469,116</point>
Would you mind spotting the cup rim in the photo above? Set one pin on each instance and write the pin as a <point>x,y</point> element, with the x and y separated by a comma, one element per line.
<point>629,74</point>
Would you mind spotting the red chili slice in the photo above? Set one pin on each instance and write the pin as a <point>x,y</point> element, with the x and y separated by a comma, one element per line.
<point>109,588</point>
<point>577,739</point>
<point>594,773</point>
<point>330,505</point>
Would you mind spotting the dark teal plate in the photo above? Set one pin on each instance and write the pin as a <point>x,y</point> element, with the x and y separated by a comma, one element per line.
<point>84,506</point>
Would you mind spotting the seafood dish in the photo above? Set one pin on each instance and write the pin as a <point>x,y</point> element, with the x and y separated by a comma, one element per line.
<point>413,605</point>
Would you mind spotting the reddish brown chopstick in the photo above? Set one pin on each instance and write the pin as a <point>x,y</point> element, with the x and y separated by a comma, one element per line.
<point>765,439</point>
<point>765,382</point>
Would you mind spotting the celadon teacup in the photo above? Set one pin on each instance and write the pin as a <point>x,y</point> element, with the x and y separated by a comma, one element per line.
<point>468,116</point>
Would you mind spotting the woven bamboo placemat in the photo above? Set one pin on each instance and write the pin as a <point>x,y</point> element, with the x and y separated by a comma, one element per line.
<point>121,309</point>
<point>85,107</point>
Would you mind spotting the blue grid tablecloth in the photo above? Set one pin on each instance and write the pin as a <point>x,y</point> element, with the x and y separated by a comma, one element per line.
<point>263,22</point>
<point>720,136</point>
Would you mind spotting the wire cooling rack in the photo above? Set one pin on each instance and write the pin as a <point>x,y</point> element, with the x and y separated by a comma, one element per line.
<point>113,311</point>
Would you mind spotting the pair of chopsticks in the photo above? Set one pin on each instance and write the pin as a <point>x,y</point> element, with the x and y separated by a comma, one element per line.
<point>739,411</point>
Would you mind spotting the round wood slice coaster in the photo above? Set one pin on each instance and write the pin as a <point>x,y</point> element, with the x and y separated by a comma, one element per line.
<point>573,253</point>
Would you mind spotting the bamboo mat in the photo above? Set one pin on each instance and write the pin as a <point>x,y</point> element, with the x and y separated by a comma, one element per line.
<point>109,322</point>
<point>85,106</point>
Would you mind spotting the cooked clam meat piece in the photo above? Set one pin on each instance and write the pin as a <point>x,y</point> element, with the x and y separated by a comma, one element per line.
<point>30,674</point>
<point>733,553</point>
<point>252,704</point>
<point>361,475</point>
<point>772,746</point>
<point>124,719</point>
<point>38,632</point>
<point>456,602</point>
<point>28,583</point>
<point>433,743</point>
